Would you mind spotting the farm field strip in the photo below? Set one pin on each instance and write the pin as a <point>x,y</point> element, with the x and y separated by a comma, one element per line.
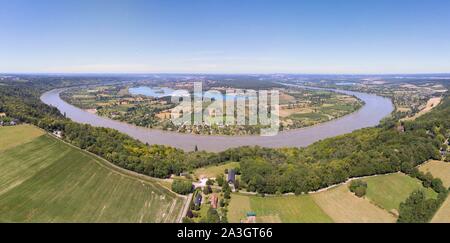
<point>286,209</point>
<point>294,209</point>
<point>47,180</point>
<point>34,157</point>
<point>239,206</point>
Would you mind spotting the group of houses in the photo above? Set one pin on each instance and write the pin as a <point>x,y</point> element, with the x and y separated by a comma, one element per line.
<point>6,121</point>
<point>214,198</point>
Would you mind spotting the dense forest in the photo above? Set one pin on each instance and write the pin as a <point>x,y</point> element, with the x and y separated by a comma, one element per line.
<point>366,152</point>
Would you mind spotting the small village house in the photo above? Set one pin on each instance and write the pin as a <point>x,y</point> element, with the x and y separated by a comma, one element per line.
<point>198,200</point>
<point>214,201</point>
<point>58,134</point>
<point>231,177</point>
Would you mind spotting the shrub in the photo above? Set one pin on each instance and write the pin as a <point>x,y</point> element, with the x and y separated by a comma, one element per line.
<point>358,187</point>
<point>187,220</point>
<point>189,214</point>
<point>210,182</point>
<point>207,190</point>
<point>222,203</point>
<point>182,187</point>
<point>220,180</point>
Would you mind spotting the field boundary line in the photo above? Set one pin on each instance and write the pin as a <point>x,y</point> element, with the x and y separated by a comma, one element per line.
<point>121,171</point>
<point>350,180</point>
<point>185,208</point>
<point>320,190</point>
<point>117,169</point>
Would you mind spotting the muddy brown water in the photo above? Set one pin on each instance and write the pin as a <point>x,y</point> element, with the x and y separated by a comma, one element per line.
<point>375,109</point>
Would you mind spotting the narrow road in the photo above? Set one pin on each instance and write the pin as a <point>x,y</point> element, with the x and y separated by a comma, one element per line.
<point>185,208</point>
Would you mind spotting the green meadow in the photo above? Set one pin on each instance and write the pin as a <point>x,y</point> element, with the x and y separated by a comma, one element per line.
<point>388,191</point>
<point>45,180</point>
<point>289,209</point>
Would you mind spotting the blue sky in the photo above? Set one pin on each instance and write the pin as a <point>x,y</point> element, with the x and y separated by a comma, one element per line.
<point>225,36</point>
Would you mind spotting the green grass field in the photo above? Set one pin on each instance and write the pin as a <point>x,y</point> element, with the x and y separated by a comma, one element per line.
<point>389,191</point>
<point>213,171</point>
<point>239,206</point>
<point>13,136</point>
<point>45,180</point>
<point>290,209</point>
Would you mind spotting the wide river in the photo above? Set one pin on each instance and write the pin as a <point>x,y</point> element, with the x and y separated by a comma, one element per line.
<point>374,110</point>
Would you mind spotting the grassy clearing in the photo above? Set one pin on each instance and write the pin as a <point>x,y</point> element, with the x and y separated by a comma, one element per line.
<point>344,207</point>
<point>48,181</point>
<point>203,212</point>
<point>443,214</point>
<point>438,169</point>
<point>291,209</point>
<point>213,171</point>
<point>16,135</point>
<point>388,191</point>
<point>239,206</point>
